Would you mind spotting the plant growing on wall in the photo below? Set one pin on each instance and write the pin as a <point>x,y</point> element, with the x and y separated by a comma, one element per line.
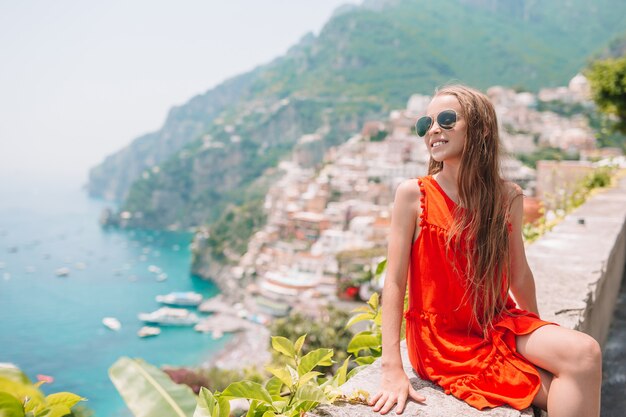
<point>19,397</point>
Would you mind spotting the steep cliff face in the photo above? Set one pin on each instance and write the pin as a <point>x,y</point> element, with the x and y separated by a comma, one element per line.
<point>195,186</point>
<point>113,178</point>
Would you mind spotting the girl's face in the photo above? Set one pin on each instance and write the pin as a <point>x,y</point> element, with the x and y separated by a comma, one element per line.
<point>445,145</point>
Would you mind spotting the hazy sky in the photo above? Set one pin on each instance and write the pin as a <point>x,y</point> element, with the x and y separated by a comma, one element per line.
<point>81,79</point>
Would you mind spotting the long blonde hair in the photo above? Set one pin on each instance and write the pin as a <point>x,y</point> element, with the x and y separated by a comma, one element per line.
<point>479,230</point>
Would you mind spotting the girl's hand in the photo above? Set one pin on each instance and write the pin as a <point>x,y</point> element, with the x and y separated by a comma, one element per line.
<point>395,388</point>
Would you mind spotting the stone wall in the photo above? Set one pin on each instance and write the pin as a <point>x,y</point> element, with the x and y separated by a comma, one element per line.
<point>578,268</point>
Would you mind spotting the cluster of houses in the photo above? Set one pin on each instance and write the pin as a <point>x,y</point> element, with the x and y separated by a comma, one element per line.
<point>327,226</point>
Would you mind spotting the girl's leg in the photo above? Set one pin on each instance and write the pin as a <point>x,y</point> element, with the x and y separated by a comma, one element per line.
<point>541,399</point>
<point>575,361</point>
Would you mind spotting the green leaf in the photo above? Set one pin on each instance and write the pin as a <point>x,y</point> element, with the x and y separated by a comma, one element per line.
<point>363,340</point>
<point>295,377</point>
<point>374,301</point>
<point>251,409</point>
<point>269,413</point>
<point>314,358</point>
<point>280,405</point>
<point>21,391</point>
<point>299,343</point>
<point>273,386</point>
<point>284,346</point>
<point>207,404</point>
<point>58,410</point>
<point>149,392</point>
<point>10,406</point>
<point>378,319</point>
<point>310,392</point>
<point>358,318</point>
<point>281,373</point>
<point>249,390</point>
<point>308,376</point>
<point>341,376</point>
<point>224,407</point>
<point>365,360</point>
<point>381,267</point>
<point>66,398</point>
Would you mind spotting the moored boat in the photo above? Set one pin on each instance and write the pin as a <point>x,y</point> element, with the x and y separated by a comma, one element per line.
<point>168,316</point>
<point>188,298</point>
<point>147,331</point>
<point>62,272</point>
<point>112,323</point>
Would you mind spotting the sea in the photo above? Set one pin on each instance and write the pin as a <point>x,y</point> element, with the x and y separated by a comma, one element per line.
<point>52,325</point>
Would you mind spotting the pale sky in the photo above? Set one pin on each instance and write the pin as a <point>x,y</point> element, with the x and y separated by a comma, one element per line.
<point>81,79</point>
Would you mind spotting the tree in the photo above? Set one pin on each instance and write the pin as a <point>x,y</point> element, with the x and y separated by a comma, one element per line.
<point>608,85</point>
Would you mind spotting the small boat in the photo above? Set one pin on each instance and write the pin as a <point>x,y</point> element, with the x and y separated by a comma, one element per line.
<point>188,298</point>
<point>161,277</point>
<point>168,316</point>
<point>112,323</point>
<point>62,272</point>
<point>147,331</point>
<point>154,269</point>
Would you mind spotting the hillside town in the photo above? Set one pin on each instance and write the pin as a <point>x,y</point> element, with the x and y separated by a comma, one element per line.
<point>327,224</point>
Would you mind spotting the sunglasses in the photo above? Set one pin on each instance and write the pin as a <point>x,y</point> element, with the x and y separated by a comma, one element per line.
<point>445,119</point>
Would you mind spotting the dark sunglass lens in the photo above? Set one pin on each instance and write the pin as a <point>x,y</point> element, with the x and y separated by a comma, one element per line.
<point>446,119</point>
<point>422,125</point>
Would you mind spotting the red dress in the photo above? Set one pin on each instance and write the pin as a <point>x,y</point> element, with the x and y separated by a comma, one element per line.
<point>445,344</point>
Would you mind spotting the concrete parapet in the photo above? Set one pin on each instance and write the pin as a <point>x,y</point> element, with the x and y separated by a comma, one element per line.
<point>578,267</point>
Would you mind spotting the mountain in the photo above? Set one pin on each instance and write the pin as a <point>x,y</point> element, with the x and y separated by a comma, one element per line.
<point>366,60</point>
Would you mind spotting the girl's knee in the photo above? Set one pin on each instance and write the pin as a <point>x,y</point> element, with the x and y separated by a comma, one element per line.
<point>584,355</point>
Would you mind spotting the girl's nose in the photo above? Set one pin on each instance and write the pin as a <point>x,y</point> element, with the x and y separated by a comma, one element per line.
<point>435,128</point>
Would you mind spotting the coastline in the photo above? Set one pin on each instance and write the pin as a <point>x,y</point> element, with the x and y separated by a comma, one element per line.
<point>246,348</point>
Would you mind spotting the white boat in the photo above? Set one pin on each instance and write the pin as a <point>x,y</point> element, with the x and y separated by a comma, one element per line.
<point>147,331</point>
<point>168,316</point>
<point>62,272</point>
<point>112,323</point>
<point>188,298</point>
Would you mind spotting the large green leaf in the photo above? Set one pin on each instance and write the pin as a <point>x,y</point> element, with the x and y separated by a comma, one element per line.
<point>10,406</point>
<point>207,404</point>
<point>58,410</point>
<point>273,386</point>
<point>314,358</point>
<point>67,399</point>
<point>363,340</point>
<point>149,392</point>
<point>381,267</point>
<point>281,373</point>
<point>21,391</point>
<point>249,390</point>
<point>374,301</point>
<point>359,317</point>
<point>283,345</point>
<point>299,343</point>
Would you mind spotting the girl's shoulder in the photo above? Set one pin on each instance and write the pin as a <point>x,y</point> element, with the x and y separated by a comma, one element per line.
<point>408,189</point>
<point>512,191</point>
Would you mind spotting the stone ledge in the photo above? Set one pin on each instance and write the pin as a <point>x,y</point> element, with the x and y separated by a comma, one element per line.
<point>577,268</point>
<point>438,404</point>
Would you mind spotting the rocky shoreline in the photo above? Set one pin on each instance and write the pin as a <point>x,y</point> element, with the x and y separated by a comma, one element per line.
<point>248,348</point>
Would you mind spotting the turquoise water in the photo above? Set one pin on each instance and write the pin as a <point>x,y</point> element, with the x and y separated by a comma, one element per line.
<point>52,325</point>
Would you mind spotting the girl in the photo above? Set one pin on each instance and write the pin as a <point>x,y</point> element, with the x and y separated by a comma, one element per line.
<point>456,234</point>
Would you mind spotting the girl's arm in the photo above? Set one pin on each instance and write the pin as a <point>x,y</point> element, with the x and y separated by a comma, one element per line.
<point>395,386</point>
<point>522,281</point>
